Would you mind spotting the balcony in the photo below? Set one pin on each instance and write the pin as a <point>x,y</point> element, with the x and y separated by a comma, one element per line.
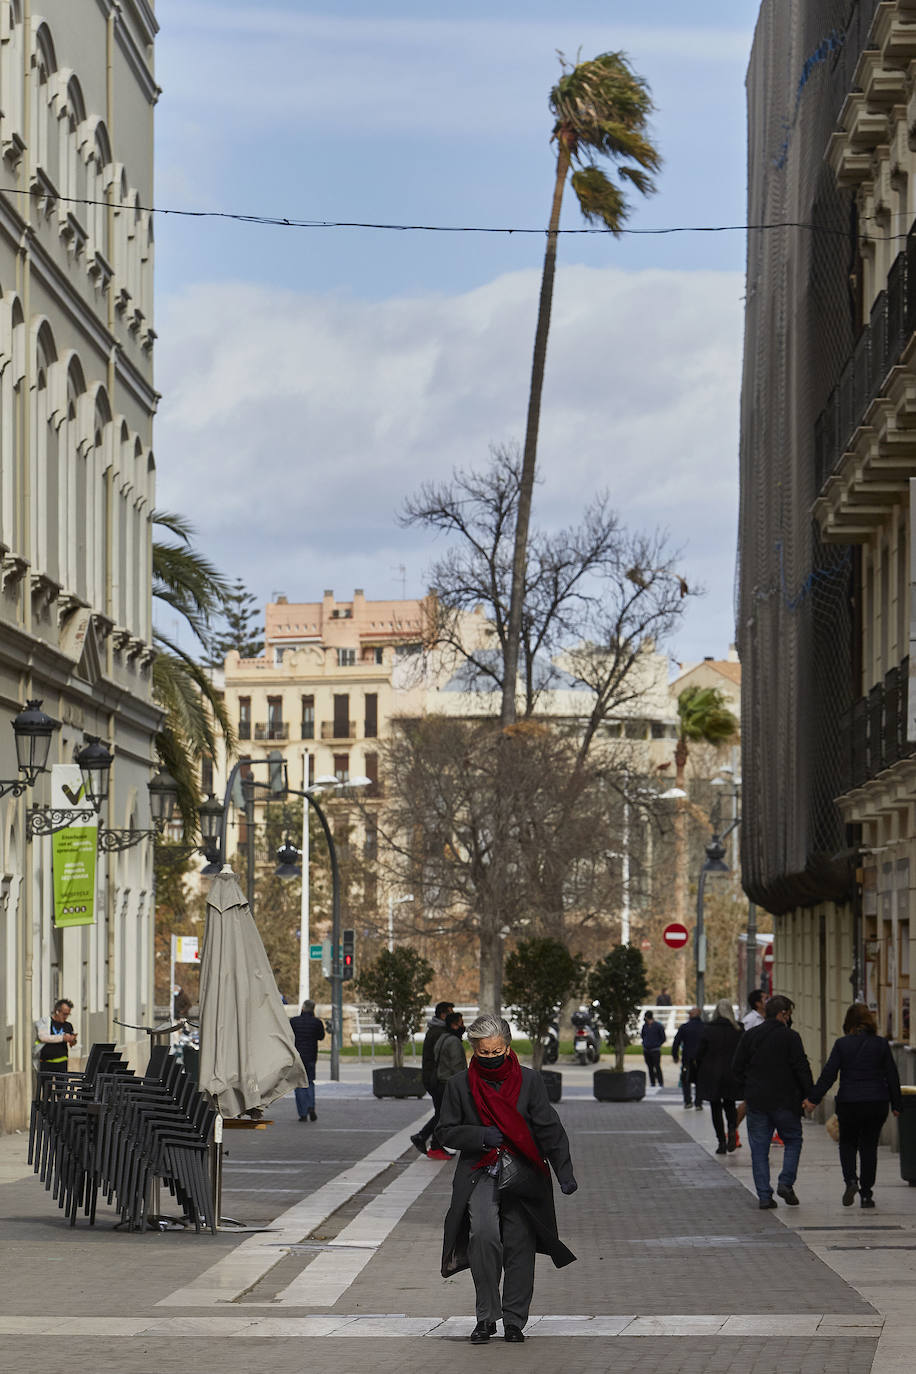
<point>274,729</point>
<point>308,729</point>
<point>244,729</point>
<point>875,729</point>
<point>331,730</point>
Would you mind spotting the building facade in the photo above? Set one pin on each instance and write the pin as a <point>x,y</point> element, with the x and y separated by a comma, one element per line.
<point>77,487</point>
<point>826,528</point>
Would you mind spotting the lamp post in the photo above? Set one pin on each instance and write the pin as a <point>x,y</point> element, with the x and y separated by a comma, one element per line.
<point>715,863</point>
<point>392,903</point>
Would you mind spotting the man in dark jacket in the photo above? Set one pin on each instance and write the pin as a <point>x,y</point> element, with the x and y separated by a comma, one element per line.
<point>686,1044</point>
<point>435,1028</point>
<point>653,1037</point>
<point>772,1073</point>
<point>308,1030</point>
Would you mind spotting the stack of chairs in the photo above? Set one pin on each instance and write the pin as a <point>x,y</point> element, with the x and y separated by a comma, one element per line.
<point>62,1130</point>
<point>156,1127</point>
<point>106,1130</point>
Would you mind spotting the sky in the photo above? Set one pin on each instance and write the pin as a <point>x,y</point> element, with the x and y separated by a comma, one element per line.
<point>312,378</point>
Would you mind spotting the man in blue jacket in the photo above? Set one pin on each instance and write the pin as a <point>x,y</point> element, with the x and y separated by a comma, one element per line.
<point>308,1030</point>
<point>686,1044</point>
<point>653,1037</point>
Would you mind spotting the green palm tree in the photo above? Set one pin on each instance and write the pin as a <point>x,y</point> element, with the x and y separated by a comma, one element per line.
<point>601,109</point>
<point>193,709</point>
<point>703,718</point>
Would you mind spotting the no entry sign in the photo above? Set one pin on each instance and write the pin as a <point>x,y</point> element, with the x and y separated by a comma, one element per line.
<point>675,935</point>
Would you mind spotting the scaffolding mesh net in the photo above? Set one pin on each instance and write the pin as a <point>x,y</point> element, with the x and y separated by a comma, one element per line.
<point>795,607</point>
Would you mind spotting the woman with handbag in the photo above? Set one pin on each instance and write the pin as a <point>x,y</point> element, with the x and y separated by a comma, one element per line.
<point>869,1081</point>
<point>498,1116</point>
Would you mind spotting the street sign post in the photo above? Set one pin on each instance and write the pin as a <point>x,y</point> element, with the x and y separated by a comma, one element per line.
<point>676,935</point>
<point>315,951</point>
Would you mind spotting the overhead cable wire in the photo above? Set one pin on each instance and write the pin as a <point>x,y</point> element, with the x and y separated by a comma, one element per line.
<point>292,222</point>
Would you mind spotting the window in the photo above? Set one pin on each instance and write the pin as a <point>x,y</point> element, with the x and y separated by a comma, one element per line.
<point>370,838</point>
<point>275,728</point>
<point>244,717</point>
<point>658,730</point>
<point>406,650</point>
<point>308,717</point>
<point>346,658</point>
<point>206,776</point>
<point>341,715</point>
<point>371,723</point>
<point>634,729</point>
<point>311,781</point>
<point>370,763</point>
<point>342,767</point>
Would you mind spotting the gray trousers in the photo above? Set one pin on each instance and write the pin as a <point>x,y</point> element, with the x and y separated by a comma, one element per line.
<point>502,1244</point>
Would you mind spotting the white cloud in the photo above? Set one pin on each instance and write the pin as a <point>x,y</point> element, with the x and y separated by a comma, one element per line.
<point>293,425</point>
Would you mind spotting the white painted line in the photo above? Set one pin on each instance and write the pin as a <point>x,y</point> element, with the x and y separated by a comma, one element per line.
<point>247,1264</point>
<point>231,1325</point>
<point>324,1282</point>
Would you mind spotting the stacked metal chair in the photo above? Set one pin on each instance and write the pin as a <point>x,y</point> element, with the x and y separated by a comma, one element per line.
<point>107,1130</point>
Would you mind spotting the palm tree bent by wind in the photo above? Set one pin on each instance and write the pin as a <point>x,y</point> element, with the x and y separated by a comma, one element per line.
<point>601,108</point>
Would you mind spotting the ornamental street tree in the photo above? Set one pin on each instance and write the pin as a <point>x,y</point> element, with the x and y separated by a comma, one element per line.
<point>540,974</point>
<point>397,983</point>
<point>619,985</point>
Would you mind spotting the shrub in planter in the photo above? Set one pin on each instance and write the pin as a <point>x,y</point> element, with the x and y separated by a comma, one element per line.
<point>618,986</point>
<point>613,1086</point>
<point>396,983</point>
<point>540,975</point>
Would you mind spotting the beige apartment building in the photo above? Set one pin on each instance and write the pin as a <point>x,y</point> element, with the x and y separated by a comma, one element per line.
<point>331,676</point>
<point>77,488</point>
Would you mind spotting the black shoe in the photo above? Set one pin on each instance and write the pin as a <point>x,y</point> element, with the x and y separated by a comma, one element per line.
<point>867,1202</point>
<point>788,1195</point>
<point>482,1333</point>
<point>303,1118</point>
<point>699,1106</point>
<point>731,1143</point>
<point>849,1193</point>
<point>721,1148</point>
<point>313,1115</point>
<point>766,1203</point>
<point>419,1142</point>
<point>515,1334</point>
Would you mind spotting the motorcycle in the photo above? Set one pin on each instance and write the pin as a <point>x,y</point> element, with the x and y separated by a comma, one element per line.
<point>551,1042</point>
<point>586,1037</point>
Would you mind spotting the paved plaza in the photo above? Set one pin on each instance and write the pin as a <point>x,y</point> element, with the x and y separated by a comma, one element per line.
<point>678,1270</point>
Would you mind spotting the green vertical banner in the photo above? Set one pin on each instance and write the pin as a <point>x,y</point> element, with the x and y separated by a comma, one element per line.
<point>73,850</point>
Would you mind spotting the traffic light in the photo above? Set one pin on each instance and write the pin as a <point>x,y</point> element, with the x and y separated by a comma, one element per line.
<point>348,950</point>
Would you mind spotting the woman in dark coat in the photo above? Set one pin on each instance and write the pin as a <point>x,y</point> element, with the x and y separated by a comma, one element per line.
<point>869,1081</point>
<point>497,1106</point>
<point>715,1084</point>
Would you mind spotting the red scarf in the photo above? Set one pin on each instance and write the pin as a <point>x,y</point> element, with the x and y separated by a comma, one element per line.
<point>497,1107</point>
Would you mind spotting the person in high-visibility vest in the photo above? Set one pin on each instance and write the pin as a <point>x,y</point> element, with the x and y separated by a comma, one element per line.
<point>53,1037</point>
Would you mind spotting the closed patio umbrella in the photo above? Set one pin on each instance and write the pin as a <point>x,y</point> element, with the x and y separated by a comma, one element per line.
<point>248,1055</point>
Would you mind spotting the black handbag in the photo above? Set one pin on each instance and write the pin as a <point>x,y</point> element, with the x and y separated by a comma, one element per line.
<point>516,1178</point>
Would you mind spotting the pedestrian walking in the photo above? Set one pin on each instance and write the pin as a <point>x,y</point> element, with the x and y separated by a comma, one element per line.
<point>308,1029</point>
<point>663,999</point>
<point>653,1037</point>
<point>497,1115</point>
<point>54,1035</point>
<point>715,1081</point>
<point>435,1028</point>
<point>869,1084</point>
<point>773,1075</point>
<point>756,1001</point>
<point>686,1043</point>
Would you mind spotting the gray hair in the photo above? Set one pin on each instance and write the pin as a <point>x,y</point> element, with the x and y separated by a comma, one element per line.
<point>486,1027</point>
<point>308,1006</point>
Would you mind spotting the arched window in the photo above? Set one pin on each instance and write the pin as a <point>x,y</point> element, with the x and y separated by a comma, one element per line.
<point>119,504</point>
<point>73,491</point>
<point>97,180</point>
<point>12,371</point>
<point>43,515</point>
<point>146,269</point>
<point>96,524</point>
<point>71,161</point>
<point>44,65</point>
<point>12,50</point>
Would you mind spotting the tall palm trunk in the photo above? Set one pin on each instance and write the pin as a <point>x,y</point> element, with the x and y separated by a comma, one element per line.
<point>529,457</point>
<point>680,871</point>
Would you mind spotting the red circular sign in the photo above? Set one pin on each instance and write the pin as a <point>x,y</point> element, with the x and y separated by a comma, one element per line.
<point>676,935</point>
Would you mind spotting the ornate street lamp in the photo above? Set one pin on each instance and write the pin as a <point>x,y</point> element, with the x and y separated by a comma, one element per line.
<point>94,762</point>
<point>288,857</point>
<point>33,730</point>
<point>211,826</point>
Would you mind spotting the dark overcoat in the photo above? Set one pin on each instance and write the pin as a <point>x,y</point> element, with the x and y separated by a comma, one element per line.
<point>714,1056</point>
<point>460,1129</point>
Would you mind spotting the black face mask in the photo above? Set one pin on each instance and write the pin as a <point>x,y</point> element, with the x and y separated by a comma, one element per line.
<point>458,1030</point>
<point>492,1062</point>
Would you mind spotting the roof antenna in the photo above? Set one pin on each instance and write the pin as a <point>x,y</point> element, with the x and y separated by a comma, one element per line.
<point>402,573</point>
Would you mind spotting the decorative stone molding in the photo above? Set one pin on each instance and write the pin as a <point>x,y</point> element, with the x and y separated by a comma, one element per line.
<point>45,591</point>
<point>12,149</point>
<point>13,569</point>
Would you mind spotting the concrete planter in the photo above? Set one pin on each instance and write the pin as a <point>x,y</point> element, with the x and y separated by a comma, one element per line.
<point>611,1086</point>
<point>553,1082</point>
<point>398,1083</point>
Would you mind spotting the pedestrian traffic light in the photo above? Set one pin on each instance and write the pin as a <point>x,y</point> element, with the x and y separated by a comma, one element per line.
<point>348,943</point>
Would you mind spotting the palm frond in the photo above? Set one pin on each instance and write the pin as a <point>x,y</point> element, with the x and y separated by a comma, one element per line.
<point>179,525</point>
<point>599,199</point>
<point>703,715</point>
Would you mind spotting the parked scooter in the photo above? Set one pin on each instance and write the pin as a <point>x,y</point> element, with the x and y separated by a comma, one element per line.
<point>586,1037</point>
<point>551,1042</point>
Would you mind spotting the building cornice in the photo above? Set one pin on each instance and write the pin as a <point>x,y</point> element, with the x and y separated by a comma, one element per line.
<point>134,381</point>
<point>136,59</point>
